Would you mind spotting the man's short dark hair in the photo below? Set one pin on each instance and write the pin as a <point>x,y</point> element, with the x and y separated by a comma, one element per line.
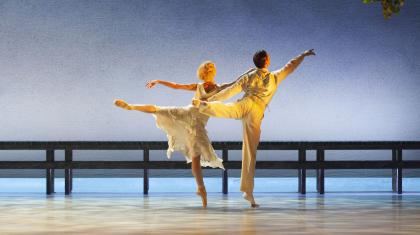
<point>259,58</point>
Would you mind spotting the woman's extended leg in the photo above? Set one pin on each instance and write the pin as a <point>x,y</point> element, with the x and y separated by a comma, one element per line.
<point>197,173</point>
<point>146,108</point>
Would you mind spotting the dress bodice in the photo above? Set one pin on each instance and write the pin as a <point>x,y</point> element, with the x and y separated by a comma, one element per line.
<point>201,93</point>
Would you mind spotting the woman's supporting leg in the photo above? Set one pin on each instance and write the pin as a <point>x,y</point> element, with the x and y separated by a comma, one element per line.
<point>146,108</point>
<point>197,173</point>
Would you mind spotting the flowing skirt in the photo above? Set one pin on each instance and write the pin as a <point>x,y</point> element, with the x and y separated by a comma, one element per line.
<point>186,132</point>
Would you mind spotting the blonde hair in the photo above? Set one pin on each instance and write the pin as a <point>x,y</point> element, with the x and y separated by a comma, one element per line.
<point>206,70</point>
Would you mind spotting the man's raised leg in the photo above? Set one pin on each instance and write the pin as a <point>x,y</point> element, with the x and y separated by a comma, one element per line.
<point>234,110</point>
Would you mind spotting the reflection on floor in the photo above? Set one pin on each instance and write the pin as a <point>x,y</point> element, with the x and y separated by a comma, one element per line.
<point>180,213</point>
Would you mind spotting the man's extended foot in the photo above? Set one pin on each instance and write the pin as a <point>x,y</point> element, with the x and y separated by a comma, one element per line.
<point>249,197</point>
<point>201,191</point>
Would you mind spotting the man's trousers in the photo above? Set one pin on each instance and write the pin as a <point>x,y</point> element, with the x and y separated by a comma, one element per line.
<point>251,111</point>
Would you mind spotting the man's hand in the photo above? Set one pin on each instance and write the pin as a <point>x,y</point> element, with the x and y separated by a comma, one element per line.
<point>309,52</point>
<point>152,83</point>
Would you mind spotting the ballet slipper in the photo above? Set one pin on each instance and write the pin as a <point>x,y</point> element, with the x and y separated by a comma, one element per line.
<point>122,104</point>
<point>249,197</point>
<point>201,191</point>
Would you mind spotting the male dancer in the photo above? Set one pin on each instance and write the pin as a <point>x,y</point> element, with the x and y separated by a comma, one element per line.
<point>259,86</point>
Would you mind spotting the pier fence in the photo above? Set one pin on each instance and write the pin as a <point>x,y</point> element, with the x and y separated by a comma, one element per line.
<point>396,164</point>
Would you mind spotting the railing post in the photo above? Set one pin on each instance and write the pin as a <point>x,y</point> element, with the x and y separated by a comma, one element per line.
<point>50,172</point>
<point>394,171</point>
<point>397,172</point>
<point>302,171</point>
<point>225,172</point>
<point>145,171</point>
<point>68,173</point>
<point>320,176</point>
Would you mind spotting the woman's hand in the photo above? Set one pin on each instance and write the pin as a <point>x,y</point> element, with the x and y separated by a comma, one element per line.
<point>152,83</point>
<point>309,52</point>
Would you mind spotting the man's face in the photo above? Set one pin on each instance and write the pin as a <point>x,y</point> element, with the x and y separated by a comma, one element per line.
<point>267,61</point>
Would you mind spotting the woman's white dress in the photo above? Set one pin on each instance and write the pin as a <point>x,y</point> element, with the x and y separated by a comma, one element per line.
<point>186,132</point>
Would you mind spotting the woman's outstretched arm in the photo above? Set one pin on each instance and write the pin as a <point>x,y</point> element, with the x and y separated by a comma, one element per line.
<point>188,87</point>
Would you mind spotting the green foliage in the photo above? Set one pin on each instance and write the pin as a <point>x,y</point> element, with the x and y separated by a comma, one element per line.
<point>388,6</point>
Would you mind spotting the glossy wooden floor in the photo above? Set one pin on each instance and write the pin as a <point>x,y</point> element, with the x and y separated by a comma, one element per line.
<point>281,213</point>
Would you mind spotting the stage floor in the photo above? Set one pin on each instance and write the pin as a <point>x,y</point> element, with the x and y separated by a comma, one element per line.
<point>181,213</point>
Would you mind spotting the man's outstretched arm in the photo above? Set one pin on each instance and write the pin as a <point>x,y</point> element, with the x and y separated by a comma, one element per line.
<point>230,90</point>
<point>282,73</point>
<point>226,85</point>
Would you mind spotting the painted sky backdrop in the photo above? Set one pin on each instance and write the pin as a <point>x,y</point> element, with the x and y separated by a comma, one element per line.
<point>62,64</point>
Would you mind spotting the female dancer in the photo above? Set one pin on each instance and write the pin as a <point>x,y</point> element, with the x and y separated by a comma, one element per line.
<point>185,126</point>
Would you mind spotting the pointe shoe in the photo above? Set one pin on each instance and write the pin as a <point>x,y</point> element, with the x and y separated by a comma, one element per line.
<point>249,197</point>
<point>201,191</point>
<point>122,104</point>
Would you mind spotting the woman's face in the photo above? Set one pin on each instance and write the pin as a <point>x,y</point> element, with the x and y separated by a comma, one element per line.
<point>209,78</point>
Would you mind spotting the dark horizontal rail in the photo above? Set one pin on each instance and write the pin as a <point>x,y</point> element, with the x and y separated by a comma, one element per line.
<point>227,164</point>
<point>397,164</point>
<point>231,145</point>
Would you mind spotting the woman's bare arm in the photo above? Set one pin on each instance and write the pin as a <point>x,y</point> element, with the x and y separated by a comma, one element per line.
<point>188,87</point>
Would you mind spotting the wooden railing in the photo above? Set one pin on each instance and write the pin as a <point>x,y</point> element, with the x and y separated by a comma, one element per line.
<point>396,164</point>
